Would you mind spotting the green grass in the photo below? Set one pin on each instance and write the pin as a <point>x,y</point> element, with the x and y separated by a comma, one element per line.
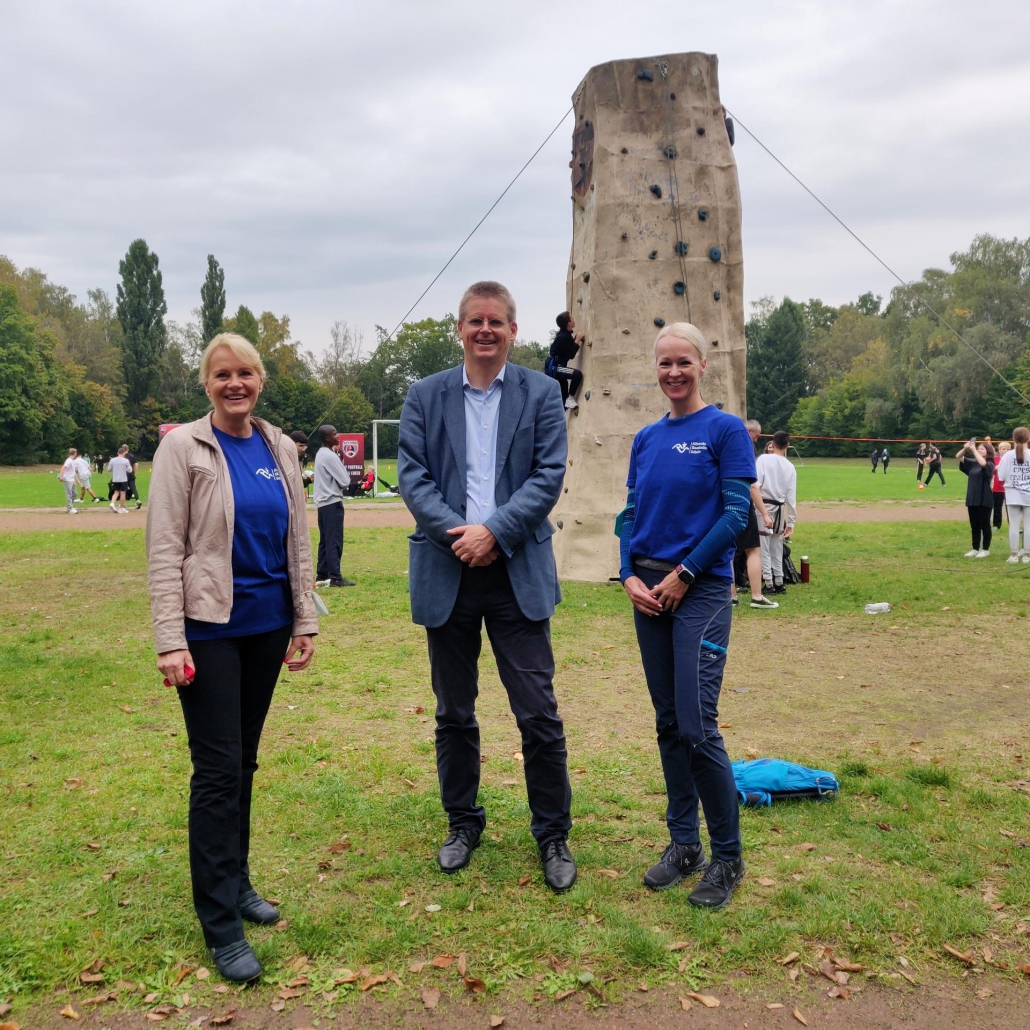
<point>849,479</point>
<point>95,769</point>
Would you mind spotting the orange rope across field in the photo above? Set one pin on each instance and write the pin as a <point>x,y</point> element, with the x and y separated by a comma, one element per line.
<point>871,439</point>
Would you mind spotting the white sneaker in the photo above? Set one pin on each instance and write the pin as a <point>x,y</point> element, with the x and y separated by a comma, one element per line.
<point>113,506</point>
<point>570,404</point>
<point>1026,558</point>
<point>78,500</point>
<point>321,584</point>
<point>1012,559</point>
<point>971,554</point>
<point>73,511</point>
<point>982,554</point>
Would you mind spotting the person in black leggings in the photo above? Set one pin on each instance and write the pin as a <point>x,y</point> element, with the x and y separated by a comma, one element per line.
<point>934,460</point>
<point>977,462</point>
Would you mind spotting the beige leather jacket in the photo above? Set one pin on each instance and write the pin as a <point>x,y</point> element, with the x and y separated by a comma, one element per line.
<point>190,518</point>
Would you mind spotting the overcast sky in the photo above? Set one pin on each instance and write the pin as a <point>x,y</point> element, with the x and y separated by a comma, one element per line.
<point>332,155</point>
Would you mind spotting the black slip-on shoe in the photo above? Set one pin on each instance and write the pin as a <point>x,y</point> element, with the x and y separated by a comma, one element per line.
<point>342,583</point>
<point>677,861</point>
<point>255,909</point>
<point>718,884</point>
<point>457,849</point>
<point>237,962</point>
<point>559,866</point>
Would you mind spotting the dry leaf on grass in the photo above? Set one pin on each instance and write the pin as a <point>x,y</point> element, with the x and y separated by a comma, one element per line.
<point>677,946</point>
<point>839,992</point>
<point>496,1021</point>
<point>706,999</point>
<point>202,973</point>
<point>557,966</point>
<point>473,985</point>
<point>773,1005</point>
<point>886,827</point>
<point>346,976</point>
<point>562,995</point>
<point>339,847</point>
<point>182,974</point>
<point>223,1020</point>
<point>299,981</point>
<point>289,992</point>
<point>87,977</point>
<point>523,880</point>
<point>373,981</point>
<point>442,961</point>
<point>984,993</point>
<point>796,1013</point>
<point>988,955</point>
<point>509,783</point>
<point>69,1013</point>
<point>462,965</point>
<point>221,988</point>
<point>277,1006</point>
<point>806,847</point>
<point>787,959</point>
<point>1025,970</point>
<point>966,957</point>
<point>766,881</point>
<point>101,998</point>
<point>848,967</point>
<point>430,997</point>
<point>612,874</point>
<point>415,967</point>
<point>792,973</point>
<point>10,1026</point>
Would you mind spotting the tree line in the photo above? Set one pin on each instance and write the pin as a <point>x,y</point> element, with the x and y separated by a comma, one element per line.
<point>901,371</point>
<point>97,374</point>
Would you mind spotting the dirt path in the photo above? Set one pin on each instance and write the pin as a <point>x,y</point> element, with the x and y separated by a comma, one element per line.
<point>393,513</point>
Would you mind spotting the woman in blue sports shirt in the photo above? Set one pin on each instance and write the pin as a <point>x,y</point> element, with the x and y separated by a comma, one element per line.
<point>689,483</point>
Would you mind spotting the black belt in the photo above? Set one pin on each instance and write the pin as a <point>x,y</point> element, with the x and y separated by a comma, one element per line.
<point>654,564</point>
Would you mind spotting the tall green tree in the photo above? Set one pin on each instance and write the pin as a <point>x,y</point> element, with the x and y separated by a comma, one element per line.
<point>212,299</point>
<point>141,311</point>
<point>776,366</point>
<point>245,324</point>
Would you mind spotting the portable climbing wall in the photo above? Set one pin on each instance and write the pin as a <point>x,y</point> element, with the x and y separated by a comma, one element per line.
<point>656,240</point>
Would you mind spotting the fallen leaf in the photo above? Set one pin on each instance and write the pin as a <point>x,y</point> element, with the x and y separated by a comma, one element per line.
<point>886,827</point>
<point>496,1021</point>
<point>473,985</point>
<point>557,966</point>
<point>69,1013</point>
<point>684,962</point>
<point>509,783</point>
<point>408,783</point>
<point>91,978</point>
<point>988,955</point>
<point>10,1026</point>
<point>289,992</point>
<point>72,783</point>
<point>202,973</point>
<point>523,880</point>
<point>908,976</point>
<point>183,973</point>
<point>706,999</point>
<point>221,988</point>
<point>685,1004</point>
<point>93,846</point>
<point>91,912</point>
<point>471,906</point>
<point>677,946</point>
<point>403,902</point>
<point>612,874</point>
<point>828,970</point>
<point>839,992</point>
<point>462,965</point>
<point>517,755</point>
<point>373,981</point>
<point>152,997</point>
<point>962,956</point>
<point>793,973</point>
<point>773,1005</point>
<point>339,847</point>
<point>725,725</point>
<point>984,993</point>
<point>277,1006</point>
<point>299,981</point>
<point>787,959</point>
<point>430,997</point>
<point>432,908</point>
<point>806,847</point>
<point>98,1000</point>
<point>222,1020</point>
<point>347,977</point>
<point>848,967</point>
<point>643,987</point>
<point>766,881</point>
<point>562,995</point>
<point>796,1013</point>
<point>442,961</point>
<point>415,967</point>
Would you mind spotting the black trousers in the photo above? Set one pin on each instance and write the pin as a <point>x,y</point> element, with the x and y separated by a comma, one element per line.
<point>525,662</point>
<point>225,709</point>
<point>330,541</point>
<point>570,380</point>
<point>920,465</point>
<point>935,470</point>
<point>980,524</point>
<point>999,506</point>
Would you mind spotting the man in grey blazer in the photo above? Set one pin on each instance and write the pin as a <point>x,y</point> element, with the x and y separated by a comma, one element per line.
<point>481,462</point>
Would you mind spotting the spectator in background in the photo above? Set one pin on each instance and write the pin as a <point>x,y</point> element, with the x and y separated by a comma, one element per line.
<point>920,464</point>
<point>748,544</point>
<point>120,469</point>
<point>998,487</point>
<point>885,457</point>
<point>778,483</point>
<point>1014,472</point>
<point>564,348</point>
<point>84,473</point>
<point>300,439</point>
<point>933,457</point>
<point>875,458</point>
<point>331,480</point>
<point>976,461</point>
<point>131,493</point>
<point>67,477</point>
<point>98,463</point>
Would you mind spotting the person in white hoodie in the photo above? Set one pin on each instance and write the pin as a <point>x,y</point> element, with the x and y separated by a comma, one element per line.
<point>1014,471</point>
<point>67,477</point>
<point>778,483</point>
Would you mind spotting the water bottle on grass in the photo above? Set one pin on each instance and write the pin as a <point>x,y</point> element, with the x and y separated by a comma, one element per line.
<point>877,609</point>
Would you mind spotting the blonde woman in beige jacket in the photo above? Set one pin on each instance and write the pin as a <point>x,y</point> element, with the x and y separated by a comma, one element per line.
<point>230,594</point>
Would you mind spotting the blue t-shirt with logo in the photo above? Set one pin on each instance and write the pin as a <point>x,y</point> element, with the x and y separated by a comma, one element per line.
<point>676,469</point>
<point>261,596</point>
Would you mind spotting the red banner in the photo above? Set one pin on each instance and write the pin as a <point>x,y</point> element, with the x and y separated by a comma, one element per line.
<point>352,454</point>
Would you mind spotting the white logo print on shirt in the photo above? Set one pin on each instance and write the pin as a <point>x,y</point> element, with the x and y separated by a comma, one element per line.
<point>694,447</point>
<point>268,473</point>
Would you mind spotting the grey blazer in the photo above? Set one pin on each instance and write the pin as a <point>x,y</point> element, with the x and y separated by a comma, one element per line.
<point>432,478</point>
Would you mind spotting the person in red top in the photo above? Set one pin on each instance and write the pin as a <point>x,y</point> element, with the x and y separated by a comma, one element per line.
<point>998,487</point>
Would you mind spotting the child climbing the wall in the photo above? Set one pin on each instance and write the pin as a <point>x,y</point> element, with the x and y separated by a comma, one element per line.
<point>563,349</point>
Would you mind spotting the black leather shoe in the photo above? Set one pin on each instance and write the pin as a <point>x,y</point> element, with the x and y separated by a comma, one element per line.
<point>457,849</point>
<point>677,861</point>
<point>718,884</point>
<point>559,865</point>
<point>237,962</point>
<point>341,582</point>
<point>255,909</point>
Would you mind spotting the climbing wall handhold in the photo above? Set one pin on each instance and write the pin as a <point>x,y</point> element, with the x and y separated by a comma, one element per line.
<point>625,150</point>
<point>625,332</point>
<point>717,295</point>
<point>715,254</point>
<point>669,151</point>
<point>672,96</point>
<point>606,392</point>
<point>586,396</point>
<point>702,214</point>
<point>645,75</point>
<point>679,287</point>
<point>700,130</point>
<point>586,277</point>
<point>624,236</point>
<point>681,248</point>
<point>659,322</point>
<point>715,343</point>
<point>653,254</point>
<point>657,190</point>
<point>560,524</point>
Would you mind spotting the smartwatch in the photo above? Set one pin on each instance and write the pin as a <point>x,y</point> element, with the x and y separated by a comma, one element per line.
<point>685,575</point>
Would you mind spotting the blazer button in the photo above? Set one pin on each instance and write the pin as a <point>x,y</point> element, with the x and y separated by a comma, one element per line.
<point>463,507</point>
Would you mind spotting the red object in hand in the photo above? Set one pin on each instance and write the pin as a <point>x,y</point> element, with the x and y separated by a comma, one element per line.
<point>190,674</point>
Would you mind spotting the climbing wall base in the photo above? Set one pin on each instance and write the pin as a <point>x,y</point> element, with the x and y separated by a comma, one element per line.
<point>656,239</point>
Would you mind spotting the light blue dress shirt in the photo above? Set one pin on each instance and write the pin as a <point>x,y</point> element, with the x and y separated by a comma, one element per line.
<point>481,411</point>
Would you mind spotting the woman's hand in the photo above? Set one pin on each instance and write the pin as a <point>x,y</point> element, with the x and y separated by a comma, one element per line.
<point>303,650</point>
<point>643,600</point>
<point>172,665</point>
<point>669,592</point>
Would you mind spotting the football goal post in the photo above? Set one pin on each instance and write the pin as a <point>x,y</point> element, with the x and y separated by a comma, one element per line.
<point>389,440</point>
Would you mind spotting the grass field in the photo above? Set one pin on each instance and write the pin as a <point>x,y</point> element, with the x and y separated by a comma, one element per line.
<point>923,714</point>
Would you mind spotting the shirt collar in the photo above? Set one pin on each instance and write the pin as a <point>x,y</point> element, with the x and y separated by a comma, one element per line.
<point>499,378</point>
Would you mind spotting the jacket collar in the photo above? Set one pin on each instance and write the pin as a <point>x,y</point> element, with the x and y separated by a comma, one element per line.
<point>203,430</point>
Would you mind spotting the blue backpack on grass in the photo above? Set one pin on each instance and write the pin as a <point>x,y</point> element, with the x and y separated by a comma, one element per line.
<point>766,780</point>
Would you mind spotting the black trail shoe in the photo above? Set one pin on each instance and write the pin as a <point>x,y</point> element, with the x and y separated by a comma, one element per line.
<point>237,962</point>
<point>457,849</point>
<point>677,861</point>
<point>559,865</point>
<point>255,909</point>
<point>718,884</point>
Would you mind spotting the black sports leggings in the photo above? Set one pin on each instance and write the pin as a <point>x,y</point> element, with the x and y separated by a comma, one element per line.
<point>999,504</point>
<point>980,524</point>
<point>935,470</point>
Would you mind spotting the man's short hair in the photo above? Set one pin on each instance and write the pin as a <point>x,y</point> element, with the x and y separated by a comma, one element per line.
<point>562,321</point>
<point>780,440</point>
<point>488,288</point>
<point>327,434</point>
<point>299,436</point>
<point>753,423</point>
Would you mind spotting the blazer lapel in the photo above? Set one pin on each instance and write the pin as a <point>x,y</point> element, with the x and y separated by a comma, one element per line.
<point>453,399</point>
<point>513,400</point>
